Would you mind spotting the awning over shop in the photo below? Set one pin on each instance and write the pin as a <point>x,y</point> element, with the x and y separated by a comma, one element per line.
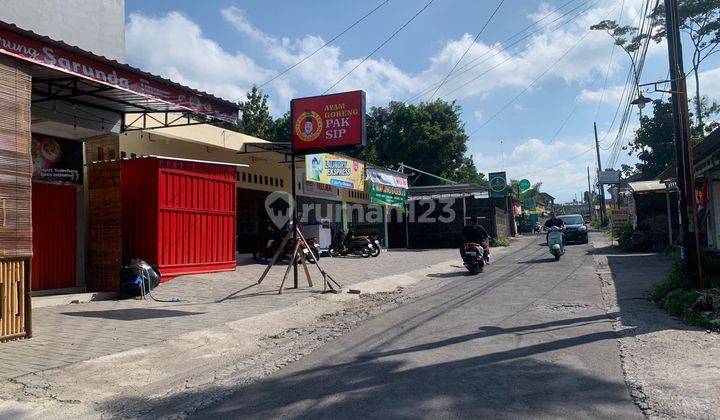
<point>646,186</point>
<point>63,72</point>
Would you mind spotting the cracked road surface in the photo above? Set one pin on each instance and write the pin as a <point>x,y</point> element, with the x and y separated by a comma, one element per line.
<point>528,337</point>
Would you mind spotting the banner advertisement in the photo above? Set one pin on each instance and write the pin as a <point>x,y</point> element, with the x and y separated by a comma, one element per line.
<point>619,218</point>
<point>120,76</point>
<point>57,160</point>
<point>387,195</point>
<point>328,122</point>
<point>339,171</point>
<point>387,178</point>
<point>314,189</point>
<point>498,184</point>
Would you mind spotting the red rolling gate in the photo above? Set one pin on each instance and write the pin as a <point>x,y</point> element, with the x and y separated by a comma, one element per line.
<point>54,221</point>
<point>179,214</point>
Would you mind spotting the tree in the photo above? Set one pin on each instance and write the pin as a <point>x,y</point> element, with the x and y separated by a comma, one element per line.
<point>708,110</point>
<point>700,20</point>
<point>653,141</point>
<point>532,192</point>
<point>281,129</point>
<point>256,120</point>
<point>625,37</point>
<point>429,136</point>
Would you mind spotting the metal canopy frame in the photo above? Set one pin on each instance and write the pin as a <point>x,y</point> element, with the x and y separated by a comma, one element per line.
<point>136,113</point>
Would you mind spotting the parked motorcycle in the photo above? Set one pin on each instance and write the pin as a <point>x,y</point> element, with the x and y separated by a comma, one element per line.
<point>346,244</point>
<point>556,242</point>
<point>474,257</point>
<point>376,248</point>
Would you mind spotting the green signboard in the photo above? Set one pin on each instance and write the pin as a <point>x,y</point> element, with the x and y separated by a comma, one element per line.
<point>498,184</point>
<point>387,195</point>
<point>524,185</point>
<point>529,203</point>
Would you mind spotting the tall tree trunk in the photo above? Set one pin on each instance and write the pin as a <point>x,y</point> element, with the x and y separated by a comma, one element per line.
<point>698,102</point>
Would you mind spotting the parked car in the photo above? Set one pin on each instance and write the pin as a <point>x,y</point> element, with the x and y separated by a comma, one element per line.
<point>575,228</point>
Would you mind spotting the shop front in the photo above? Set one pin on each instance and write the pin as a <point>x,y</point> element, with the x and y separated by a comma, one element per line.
<point>63,112</point>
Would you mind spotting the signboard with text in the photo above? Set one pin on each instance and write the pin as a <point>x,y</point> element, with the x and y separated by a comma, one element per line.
<point>338,171</point>
<point>619,218</point>
<point>56,160</point>
<point>67,60</point>
<point>609,177</point>
<point>328,123</point>
<point>498,184</point>
<point>387,188</point>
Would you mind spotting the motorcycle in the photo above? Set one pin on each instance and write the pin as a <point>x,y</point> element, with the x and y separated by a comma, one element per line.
<point>345,244</point>
<point>376,248</point>
<point>310,249</point>
<point>474,257</point>
<point>556,242</point>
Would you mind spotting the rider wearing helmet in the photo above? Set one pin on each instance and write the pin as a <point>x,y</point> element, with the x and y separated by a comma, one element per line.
<point>475,233</point>
<point>554,221</point>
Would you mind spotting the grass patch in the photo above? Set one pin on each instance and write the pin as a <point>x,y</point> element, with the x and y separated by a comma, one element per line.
<point>677,296</point>
<point>496,242</point>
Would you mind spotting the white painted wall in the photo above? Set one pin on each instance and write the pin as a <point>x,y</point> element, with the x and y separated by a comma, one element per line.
<point>97,26</point>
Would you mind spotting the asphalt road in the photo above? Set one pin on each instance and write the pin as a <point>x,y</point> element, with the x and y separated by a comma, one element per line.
<point>526,338</point>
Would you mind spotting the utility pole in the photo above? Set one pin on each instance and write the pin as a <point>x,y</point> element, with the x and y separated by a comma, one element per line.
<point>600,185</point>
<point>589,196</point>
<point>683,146</point>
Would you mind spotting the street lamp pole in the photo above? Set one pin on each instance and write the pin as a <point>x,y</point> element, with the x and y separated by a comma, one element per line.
<point>683,145</point>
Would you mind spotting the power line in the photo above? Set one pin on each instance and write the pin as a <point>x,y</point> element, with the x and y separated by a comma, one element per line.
<point>487,22</point>
<point>382,44</point>
<point>510,57</point>
<point>470,64</point>
<point>540,76</point>
<point>327,43</point>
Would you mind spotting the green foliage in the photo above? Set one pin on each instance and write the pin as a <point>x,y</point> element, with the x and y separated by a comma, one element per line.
<point>429,136</point>
<point>680,301</point>
<point>700,21</point>
<point>653,141</point>
<point>596,222</point>
<point>625,37</point>
<point>496,242</point>
<point>625,238</point>
<point>532,192</point>
<point>256,120</point>
<point>281,129</point>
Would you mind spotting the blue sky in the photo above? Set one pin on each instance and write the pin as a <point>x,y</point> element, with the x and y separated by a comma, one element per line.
<point>224,47</point>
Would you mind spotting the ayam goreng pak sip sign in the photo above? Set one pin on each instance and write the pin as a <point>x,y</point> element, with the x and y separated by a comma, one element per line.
<point>328,122</point>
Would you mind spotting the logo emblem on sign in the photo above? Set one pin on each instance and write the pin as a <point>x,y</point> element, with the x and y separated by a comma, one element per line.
<point>278,206</point>
<point>308,126</point>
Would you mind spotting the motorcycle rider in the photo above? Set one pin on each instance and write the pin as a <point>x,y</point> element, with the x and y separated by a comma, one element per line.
<point>475,233</point>
<point>554,221</point>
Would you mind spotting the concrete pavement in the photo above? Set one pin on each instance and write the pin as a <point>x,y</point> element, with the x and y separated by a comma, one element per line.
<point>528,338</point>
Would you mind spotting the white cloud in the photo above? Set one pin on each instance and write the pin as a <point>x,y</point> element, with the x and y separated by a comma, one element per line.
<point>182,52</point>
<point>610,96</point>
<point>560,166</point>
<point>478,115</point>
<point>175,47</point>
<point>518,107</point>
<point>709,84</point>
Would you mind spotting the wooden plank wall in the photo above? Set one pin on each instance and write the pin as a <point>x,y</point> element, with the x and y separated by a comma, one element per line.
<point>105,216</point>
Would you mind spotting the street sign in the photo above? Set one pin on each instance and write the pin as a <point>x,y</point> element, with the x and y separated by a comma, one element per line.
<point>619,218</point>
<point>609,177</point>
<point>498,184</point>
<point>328,122</point>
<point>524,185</point>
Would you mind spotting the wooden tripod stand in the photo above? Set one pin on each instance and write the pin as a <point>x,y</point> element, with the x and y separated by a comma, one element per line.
<point>329,283</point>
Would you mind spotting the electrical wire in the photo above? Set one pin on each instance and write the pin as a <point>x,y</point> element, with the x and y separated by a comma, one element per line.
<point>487,22</point>
<point>382,44</point>
<point>505,47</point>
<point>365,16</point>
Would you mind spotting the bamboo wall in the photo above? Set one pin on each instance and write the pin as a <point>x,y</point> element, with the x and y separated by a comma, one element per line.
<point>105,216</point>
<point>15,200</point>
<point>12,299</point>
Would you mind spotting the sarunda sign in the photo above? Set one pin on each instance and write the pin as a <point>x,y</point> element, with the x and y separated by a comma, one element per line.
<point>329,122</point>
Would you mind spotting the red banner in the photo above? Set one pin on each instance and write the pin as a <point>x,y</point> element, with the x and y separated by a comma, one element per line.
<point>50,55</point>
<point>329,122</point>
